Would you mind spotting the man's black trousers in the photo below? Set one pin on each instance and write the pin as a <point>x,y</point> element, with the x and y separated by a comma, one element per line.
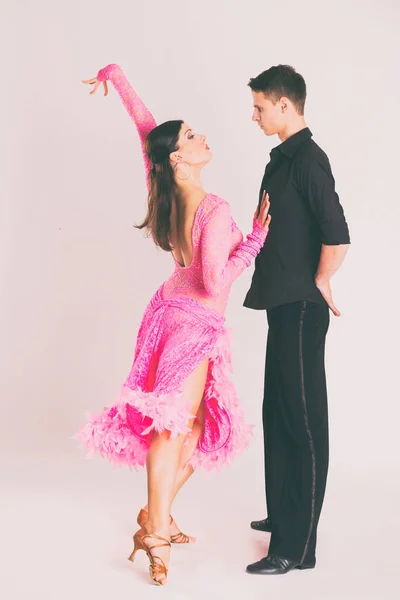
<point>295,420</point>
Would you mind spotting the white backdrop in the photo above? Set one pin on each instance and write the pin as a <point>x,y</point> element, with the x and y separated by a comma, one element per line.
<point>75,278</point>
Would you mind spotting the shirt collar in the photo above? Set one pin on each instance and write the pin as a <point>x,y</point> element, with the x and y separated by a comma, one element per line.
<point>290,146</point>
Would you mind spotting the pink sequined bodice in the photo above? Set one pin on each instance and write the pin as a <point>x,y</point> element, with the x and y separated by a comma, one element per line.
<point>220,254</point>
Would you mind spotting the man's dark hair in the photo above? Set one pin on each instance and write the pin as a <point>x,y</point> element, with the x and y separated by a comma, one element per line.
<point>279,81</point>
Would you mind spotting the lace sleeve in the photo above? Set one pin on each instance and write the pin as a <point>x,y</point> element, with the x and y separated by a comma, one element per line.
<point>220,266</point>
<point>137,110</point>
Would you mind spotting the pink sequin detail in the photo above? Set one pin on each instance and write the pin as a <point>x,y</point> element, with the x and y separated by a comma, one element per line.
<point>174,337</point>
<point>137,110</point>
<point>219,255</point>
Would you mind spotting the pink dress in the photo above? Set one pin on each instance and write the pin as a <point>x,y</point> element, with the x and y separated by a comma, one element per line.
<point>182,325</point>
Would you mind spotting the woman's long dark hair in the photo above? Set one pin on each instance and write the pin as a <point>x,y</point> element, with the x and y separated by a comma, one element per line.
<point>160,142</point>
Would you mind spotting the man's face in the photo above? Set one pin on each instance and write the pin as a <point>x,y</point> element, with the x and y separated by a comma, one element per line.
<point>268,114</point>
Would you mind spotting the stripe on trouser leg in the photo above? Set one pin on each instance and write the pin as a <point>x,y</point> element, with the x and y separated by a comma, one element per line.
<point>307,425</point>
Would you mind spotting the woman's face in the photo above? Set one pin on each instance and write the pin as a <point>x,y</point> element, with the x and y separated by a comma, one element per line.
<point>192,148</point>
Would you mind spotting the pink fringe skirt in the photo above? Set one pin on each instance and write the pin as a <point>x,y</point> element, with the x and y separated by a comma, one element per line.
<point>174,337</point>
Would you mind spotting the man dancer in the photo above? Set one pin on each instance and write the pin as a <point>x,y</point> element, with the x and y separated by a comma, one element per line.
<point>306,245</point>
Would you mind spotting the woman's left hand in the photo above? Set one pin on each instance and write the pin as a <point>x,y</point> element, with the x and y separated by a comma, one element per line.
<point>261,215</point>
<point>96,84</point>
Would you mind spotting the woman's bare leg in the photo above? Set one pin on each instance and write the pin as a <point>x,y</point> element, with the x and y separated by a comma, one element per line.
<point>163,461</point>
<point>185,470</point>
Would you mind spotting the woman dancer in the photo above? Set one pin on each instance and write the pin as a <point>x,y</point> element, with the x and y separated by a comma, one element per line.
<point>178,409</point>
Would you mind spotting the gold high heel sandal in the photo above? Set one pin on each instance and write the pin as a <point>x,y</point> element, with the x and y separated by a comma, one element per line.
<point>157,566</point>
<point>178,538</point>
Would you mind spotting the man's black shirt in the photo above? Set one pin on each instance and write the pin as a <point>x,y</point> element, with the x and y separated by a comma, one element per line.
<point>306,213</point>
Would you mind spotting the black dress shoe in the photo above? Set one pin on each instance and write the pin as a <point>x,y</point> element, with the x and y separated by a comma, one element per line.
<point>263,525</point>
<point>272,565</point>
<point>304,566</point>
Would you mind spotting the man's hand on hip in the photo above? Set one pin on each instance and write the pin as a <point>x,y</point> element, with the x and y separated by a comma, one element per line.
<point>324,286</point>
